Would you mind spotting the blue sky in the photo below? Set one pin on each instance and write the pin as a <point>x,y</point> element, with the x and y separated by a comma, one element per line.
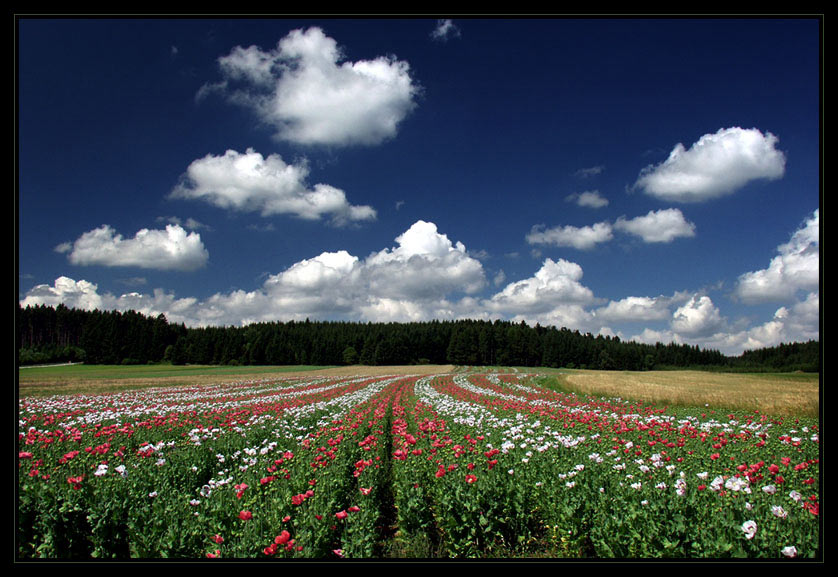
<point>655,179</point>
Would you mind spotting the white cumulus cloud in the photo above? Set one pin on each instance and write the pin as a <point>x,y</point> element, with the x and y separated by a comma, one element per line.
<point>716,165</point>
<point>697,318</point>
<point>425,276</point>
<point>555,284</point>
<point>252,183</point>
<point>796,267</point>
<point>798,323</point>
<point>583,238</point>
<point>169,249</point>
<point>423,264</point>
<point>657,226</point>
<point>633,309</point>
<point>74,294</point>
<point>305,90</point>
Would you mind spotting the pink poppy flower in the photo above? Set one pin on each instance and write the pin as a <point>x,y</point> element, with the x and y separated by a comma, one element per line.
<point>750,529</point>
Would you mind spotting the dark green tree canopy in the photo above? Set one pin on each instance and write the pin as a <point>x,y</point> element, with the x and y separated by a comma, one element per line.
<point>47,334</point>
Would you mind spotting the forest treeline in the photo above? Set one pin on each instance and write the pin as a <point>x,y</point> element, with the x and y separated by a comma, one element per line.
<point>61,334</point>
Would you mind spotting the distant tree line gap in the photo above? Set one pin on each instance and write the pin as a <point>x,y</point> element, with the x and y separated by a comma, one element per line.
<point>60,334</point>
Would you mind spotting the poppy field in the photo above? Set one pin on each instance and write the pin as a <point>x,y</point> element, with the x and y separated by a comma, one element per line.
<point>460,464</point>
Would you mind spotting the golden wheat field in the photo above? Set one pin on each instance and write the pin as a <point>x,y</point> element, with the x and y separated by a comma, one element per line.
<point>771,393</point>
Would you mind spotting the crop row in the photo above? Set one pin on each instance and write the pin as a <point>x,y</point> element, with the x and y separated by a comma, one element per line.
<point>453,465</point>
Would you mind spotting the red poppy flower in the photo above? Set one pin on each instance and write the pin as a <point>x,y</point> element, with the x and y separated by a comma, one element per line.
<point>282,538</point>
<point>354,509</point>
<point>245,515</point>
<point>217,539</point>
<point>342,514</point>
<point>68,457</point>
<point>470,479</point>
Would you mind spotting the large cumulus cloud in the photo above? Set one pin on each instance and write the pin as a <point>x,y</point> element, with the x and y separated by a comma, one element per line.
<point>716,165</point>
<point>305,90</point>
<point>795,268</point>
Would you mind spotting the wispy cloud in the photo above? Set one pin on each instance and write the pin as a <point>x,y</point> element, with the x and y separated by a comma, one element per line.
<point>588,199</point>
<point>444,30</point>
<point>190,223</point>
<point>132,281</point>
<point>589,172</point>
